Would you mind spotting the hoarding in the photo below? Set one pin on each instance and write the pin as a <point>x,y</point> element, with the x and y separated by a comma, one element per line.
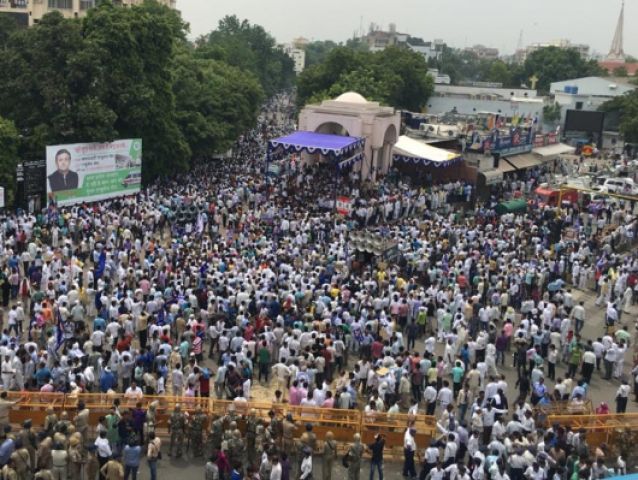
<point>584,121</point>
<point>89,172</point>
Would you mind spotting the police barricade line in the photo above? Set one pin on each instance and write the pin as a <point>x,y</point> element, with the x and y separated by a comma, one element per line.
<point>342,423</point>
<point>598,428</point>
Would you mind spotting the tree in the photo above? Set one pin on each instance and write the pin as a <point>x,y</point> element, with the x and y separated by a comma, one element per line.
<point>320,77</point>
<point>553,64</point>
<point>126,73</point>
<point>620,72</point>
<point>249,48</point>
<point>413,85</point>
<point>215,103</point>
<point>371,81</point>
<point>49,90</point>
<point>8,25</point>
<point>134,49</point>
<point>626,107</point>
<point>9,142</point>
<point>317,51</point>
<point>395,76</point>
<point>499,72</point>
<point>552,113</point>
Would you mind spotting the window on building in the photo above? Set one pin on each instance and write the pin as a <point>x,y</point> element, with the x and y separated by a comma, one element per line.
<point>579,105</point>
<point>62,4</point>
<point>86,4</point>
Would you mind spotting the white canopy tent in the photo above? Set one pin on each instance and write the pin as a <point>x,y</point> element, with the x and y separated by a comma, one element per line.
<point>410,150</point>
<point>553,150</point>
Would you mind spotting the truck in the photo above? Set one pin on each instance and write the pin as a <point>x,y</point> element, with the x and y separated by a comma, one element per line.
<point>549,196</point>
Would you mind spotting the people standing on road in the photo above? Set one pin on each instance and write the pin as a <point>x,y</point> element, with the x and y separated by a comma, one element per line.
<point>376,461</point>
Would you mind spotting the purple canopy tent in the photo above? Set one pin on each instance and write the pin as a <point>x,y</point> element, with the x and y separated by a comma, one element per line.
<point>343,151</point>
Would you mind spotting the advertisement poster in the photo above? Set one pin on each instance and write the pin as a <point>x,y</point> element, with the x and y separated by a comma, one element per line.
<point>89,172</point>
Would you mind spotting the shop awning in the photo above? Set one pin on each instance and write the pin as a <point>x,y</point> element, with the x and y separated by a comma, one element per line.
<point>556,149</point>
<point>524,161</point>
<point>504,167</point>
<point>409,150</point>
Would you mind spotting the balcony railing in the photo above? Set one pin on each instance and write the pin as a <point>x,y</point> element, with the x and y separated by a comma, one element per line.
<point>13,3</point>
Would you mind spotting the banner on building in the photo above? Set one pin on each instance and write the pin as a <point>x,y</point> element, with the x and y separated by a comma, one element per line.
<point>89,172</point>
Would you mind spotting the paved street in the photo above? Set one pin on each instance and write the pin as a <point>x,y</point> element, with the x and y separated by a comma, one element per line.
<point>601,390</point>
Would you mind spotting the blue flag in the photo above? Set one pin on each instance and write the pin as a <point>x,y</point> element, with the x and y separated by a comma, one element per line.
<point>101,265</point>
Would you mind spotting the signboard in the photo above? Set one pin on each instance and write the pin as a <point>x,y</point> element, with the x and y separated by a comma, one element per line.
<point>515,143</point>
<point>34,172</point>
<point>89,172</point>
<point>2,197</point>
<point>344,205</point>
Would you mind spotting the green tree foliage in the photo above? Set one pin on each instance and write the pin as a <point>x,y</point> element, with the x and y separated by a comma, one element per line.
<point>552,113</point>
<point>317,51</point>
<point>626,106</point>
<point>9,141</point>
<point>395,76</point>
<point>8,25</point>
<point>128,73</point>
<point>48,88</point>
<point>553,64</point>
<point>620,72</point>
<point>250,48</point>
<point>215,102</point>
<point>134,49</point>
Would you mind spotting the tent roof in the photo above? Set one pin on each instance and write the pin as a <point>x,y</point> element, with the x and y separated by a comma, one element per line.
<point>557,149</point>
<point>313,142</point>
<point>409,147</point>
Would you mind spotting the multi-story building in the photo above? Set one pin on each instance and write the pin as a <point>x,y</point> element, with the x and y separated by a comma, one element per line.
<point>587,93</point>
<point>298,56</point>
<point>483,52</point>
<point>29,12</point>
<point>582,49</point>
<point>429,50</point>
<point>474,100</point>
<point>378,40</point>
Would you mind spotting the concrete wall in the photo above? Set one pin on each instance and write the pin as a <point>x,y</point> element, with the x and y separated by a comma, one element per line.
<point>468,106</point>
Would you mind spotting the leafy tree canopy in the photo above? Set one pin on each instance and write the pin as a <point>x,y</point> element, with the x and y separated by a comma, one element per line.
<point>626,106</point>
<point>249,48</point>
<point>395,76</point>
<point>553,64</point>
<point>128,73</point>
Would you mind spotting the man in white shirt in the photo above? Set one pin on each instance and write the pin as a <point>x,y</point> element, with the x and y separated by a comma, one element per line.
<point>133,392</point>
<point>578,314</point>
<point>306,465</point>
<point>409,447</point>
<point>589,362</point>
<point>622,395</point>
<point>275,471</point>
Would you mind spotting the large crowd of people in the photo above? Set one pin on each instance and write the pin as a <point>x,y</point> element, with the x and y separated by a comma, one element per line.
<point>216,281</point>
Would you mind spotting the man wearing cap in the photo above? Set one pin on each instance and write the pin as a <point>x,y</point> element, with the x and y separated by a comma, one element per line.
<point>176,427</point>
<point>197,432</point>
<point>28,440</point>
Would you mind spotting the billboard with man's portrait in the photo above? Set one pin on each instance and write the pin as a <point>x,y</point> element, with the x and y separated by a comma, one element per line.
<point>89,172</point>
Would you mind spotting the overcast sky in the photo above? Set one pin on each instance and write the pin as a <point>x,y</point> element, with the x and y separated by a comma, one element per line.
<point>495,23</point>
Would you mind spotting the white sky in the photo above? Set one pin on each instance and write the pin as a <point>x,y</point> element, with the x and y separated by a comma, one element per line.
<point>460,23</point>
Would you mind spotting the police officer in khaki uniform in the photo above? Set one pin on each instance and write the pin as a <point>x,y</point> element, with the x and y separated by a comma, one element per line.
<point>177,426</point>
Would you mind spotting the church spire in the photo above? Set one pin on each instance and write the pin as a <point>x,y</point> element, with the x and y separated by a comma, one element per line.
<point>616,51</point>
